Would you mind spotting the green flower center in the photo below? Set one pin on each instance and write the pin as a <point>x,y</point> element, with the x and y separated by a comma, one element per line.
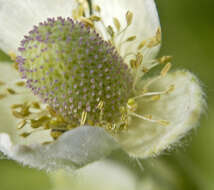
<point>72,69</point>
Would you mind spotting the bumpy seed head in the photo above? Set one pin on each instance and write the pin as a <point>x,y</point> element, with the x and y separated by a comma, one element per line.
<point>72,69</point>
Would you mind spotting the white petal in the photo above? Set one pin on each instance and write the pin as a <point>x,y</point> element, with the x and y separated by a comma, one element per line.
<point>73,149</point>
<point>182,108</point>
<point>8,122</point>
<point>18,17</point>
<point>8,75</point>
<point>105,175</point>
<point>144,26</point>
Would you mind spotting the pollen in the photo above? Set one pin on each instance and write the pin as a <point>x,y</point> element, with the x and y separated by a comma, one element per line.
<point>73,70</point>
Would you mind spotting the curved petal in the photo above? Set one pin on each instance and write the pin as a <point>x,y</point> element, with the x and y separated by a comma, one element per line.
<point>8,122</point>
<point>18,17</point>
<point>144,25</point>
<point>105,175</point>
<point>182,108</point>
<point>73,149</point>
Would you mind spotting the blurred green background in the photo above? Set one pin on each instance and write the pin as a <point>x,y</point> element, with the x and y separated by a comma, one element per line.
<point>188,35</point>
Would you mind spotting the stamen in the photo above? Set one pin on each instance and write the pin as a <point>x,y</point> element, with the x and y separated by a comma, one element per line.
<point>11,91</point>
<point>25,134</point>
<point>20,83</point>
<point>83,118</point>
<point>165,70</point>
<point>149,118</point>
<point>12,56</point>
<point>100,106</point>
<point>132,105</point>
<point>129,18</point>
<point>117,23</point>
<point>163,73</point>
<point>155,94</point>
<point>137,63</point>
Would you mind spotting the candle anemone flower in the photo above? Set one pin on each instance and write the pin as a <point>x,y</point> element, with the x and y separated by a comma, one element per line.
<point>82,83</point>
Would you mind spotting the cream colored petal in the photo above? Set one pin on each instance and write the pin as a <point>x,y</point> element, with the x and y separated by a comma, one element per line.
<point>182,108</point>
<point>105,175</point>
<point>18,17</point>
<point>144,26</point>
<point>8,123</point>
<point>72,150</point>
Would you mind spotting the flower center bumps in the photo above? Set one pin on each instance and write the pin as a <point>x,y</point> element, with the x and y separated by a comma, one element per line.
<point>72,69</point>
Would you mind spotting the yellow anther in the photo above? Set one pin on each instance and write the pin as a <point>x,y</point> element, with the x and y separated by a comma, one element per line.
<point>165,59</point>
<point>117,23</point>
<point>158,35</point>
<point>16,66</point>
<point>40,122</point>
<point>136,63</point>
<point>51,111</point>
<point>155,98</point>
<point>25,134</point>
<point>25,110</point>
<point>12,56</point>
<point>11,91</point>
<point>87,22</point>
<point>133,64</point>
<point>110,31</point>
<point>21,114</point>
<point>145,70</point>
<point>129,17</point>
<point>46,142</point>
<point>94,18</point>
<point>15,106</point>
<point>139,59</point>
<point>170,89</point>
<point>164,122</point>
<point>20,83</point>
<point>141,45</point>
<point>22,124</point>
<point>155,40</point>
<point>165,70</point>
<point>56,134</point>
<point>17,114</point>
<point>131,38</point>
<point>132,104</point>
<point>83,118</point>
<point>54,122</point>
<point>100,105</point>
<point>35,105</point>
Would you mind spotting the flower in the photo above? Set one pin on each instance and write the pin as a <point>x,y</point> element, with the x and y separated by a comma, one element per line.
<point>90,86</point>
